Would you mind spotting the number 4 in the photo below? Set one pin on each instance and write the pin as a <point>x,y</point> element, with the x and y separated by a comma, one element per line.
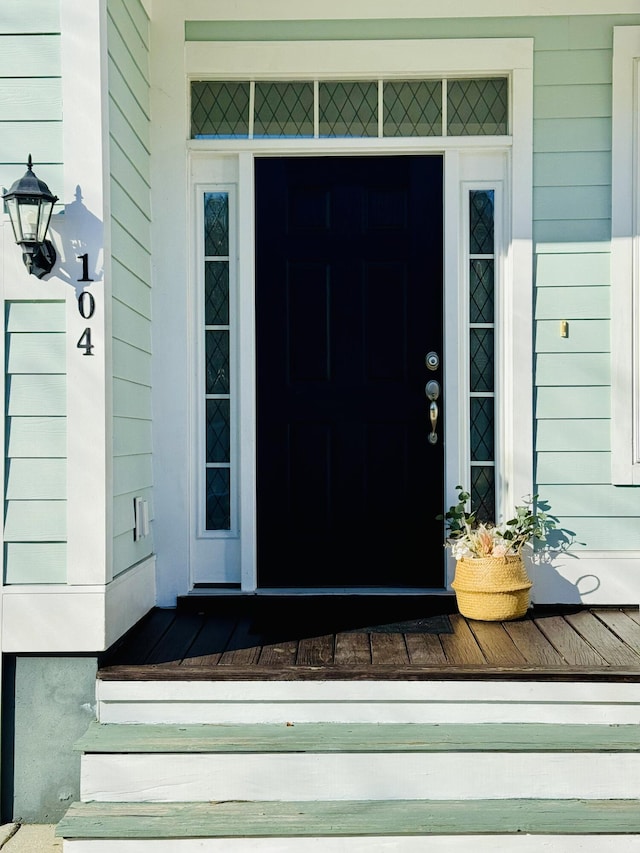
<point>85,342</point>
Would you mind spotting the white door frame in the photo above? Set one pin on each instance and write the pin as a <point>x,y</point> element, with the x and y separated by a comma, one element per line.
<point>505,162</point>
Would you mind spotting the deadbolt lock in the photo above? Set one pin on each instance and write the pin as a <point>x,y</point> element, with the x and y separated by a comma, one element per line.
<point>432,360</point>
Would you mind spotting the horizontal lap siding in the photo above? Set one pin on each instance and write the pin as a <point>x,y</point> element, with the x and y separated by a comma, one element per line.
<point>131,274</point>
<point>30,90</point>
<point>572,232</point>
<point>35,514</point>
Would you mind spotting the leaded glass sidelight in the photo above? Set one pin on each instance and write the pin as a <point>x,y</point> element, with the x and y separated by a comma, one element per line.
<point>482,352</point>
<point>217,361</point>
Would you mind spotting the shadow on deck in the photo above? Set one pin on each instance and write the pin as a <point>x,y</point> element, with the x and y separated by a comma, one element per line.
<point>372,638</point>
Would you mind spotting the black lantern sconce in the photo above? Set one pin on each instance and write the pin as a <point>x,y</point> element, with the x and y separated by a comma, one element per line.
<point>30,205</point>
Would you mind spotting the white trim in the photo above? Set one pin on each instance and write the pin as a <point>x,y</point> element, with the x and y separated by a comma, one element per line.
<point>82,229</point>
<point>369,60</point>
<point>459,701</point>
<point>587,577</point>
<point>372,60</point>
<point>258,10</point>
<point>625,258</point>
<point>47,619</point>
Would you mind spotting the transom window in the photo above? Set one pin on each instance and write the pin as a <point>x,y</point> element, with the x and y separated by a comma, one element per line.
<point>339,109</point>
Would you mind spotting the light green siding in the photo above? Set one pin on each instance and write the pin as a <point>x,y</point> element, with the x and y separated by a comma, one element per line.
<point>30,90</point>
<point>129,123</point>
<point>35,512</point>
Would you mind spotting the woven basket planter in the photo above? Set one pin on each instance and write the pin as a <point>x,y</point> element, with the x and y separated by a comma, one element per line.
<point>492,589</point>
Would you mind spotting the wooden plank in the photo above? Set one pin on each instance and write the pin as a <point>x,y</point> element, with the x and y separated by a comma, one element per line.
<point>573,67</point>
<point>179,636</point>
<point>532,644</point>
<point>121,94</point>
<point>206,649</point>
<point>37,437</point>
<point>126,174</point>
<point>332,737</point>
<point>425,649</point>
<point>633,613</point>
<point>461,647</point>
<point>130,289</point>
<point>599,533</point>
<point>496,644</point>
<point>601,638</point>
<point>130,254</point>
<point>275,653</point>
<point>130,59</point>
<point>352,649</point>
<point>572,230</point>
<point>574,269</point>
<point>242,648</point>
<point>569,644</point>
<point>348,818</point>
<point>131,400</point>
<point>388,650</point>
<point>123,513</point>
<point>131,19</point>
<point>130,216</point>
<point>143,637</point>
<point>316,651</point>
<point>621,623</point>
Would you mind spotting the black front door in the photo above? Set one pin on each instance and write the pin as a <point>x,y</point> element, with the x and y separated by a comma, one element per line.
<point>348,304</point>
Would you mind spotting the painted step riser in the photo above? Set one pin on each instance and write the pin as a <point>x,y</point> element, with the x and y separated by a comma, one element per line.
<point>355,776</point>
<point>367,702</point>
<point>370,844</point>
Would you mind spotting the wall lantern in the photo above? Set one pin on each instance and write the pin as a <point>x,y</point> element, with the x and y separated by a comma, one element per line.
<point>30,205</point>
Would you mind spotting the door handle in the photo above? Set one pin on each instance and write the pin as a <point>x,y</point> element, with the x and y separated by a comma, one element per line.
<point>432,391</point>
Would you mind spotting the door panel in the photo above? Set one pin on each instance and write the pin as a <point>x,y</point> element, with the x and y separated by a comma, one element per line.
<point>348,303</point>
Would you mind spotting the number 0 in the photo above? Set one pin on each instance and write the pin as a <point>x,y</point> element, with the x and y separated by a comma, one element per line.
<point>86,304</point>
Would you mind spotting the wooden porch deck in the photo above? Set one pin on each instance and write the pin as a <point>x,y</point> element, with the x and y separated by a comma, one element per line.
<point>351,638</point>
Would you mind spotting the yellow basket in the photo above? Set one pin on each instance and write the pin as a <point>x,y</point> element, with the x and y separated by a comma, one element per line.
<point>492,589</point>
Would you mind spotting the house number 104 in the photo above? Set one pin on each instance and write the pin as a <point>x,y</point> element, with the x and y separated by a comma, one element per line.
<point>86,307</point>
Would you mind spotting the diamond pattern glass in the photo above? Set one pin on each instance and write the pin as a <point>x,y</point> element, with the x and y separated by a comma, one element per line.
<point>481,222</point>
<point>483,493</point>
<point>283,109</point>
<point>218,431</point>
<point>348,109</point>
<point>216,293</point>
<point>482,433</point>
<point>477,107</point>
<point>216,224</point>
<point>219,109</point>
<point>413,108</point>
<point>481,352</point>
<point>217,362</point>
<point>218,502</point>
<point>481,291</point>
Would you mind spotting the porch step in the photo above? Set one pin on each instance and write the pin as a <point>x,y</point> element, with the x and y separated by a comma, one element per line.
<point>156,763</point>
<point>353,827</point>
